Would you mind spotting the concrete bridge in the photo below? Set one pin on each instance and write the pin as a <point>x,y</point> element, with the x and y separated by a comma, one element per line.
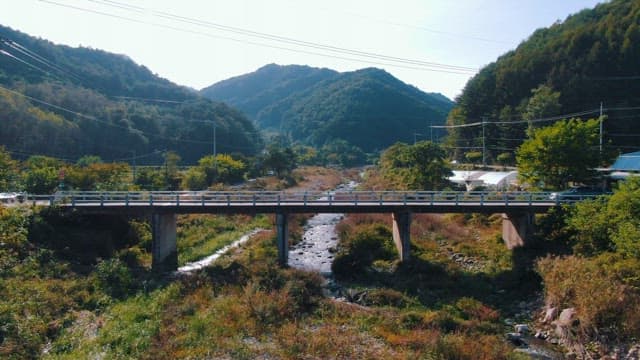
<point>517,208</point>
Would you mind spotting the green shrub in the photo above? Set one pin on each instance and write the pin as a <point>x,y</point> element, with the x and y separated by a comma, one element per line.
<point>359,250</point>
<point>114,278</point>
<point>386,297</point>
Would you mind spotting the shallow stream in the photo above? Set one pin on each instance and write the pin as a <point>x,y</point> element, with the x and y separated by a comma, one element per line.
<point>316,250</point>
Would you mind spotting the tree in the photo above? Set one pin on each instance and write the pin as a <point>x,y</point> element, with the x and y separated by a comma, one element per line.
<point>88,160</point>
<point>543,102</point>
<point>280,160</point>
<point>473,157</point>
<point>171,175</point>
<point>555,155</point>
<point>221,169</point>
<point>41,174</point>
<point>150,179</point>
<point>609,224</point>
<point>421,166</point>
<point>8,171</point>
<point>98,176</point>
<point>340,152</point>
<point>505,158</point>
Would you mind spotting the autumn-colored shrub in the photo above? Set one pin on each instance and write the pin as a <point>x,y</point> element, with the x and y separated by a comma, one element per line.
<point>604,291</point>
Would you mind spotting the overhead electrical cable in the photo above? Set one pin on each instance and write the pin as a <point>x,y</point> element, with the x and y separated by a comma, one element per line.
<point>93,118</point>
<point>26,52</point>
<point>451,69</point>
<point>552,118</point>
<point>287,40</point>
<point>6,53</point>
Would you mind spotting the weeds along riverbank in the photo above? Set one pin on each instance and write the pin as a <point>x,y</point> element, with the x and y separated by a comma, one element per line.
<point>85,291</point>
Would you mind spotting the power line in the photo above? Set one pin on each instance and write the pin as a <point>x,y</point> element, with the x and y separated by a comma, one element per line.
<point>395,62</point>
<point>93,118</point>
<point>6,53</point>
<point>553,118</point>
<point>31,54</point>
<point>150,100</point>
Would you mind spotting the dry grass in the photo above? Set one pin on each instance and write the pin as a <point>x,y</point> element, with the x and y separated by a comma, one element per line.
<point>314,178</point>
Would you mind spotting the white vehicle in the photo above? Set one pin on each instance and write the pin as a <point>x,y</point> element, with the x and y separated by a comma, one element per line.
<point>10,198</point>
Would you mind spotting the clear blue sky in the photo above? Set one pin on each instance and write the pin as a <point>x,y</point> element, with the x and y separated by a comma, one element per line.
<point>199,48</point>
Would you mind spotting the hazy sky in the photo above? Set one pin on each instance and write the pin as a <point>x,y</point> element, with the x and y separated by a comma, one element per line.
<point>430,44</point>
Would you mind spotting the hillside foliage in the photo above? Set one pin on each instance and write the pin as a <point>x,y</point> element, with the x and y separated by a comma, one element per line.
<point>69,102</point>
<point>570,67</point>
<point>368,108</point>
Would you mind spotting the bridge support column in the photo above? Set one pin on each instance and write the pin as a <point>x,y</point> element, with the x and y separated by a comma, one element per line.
<point>282,228</point>
<point>164,253</point>
<point>516,227</point>
<point>402,233</point>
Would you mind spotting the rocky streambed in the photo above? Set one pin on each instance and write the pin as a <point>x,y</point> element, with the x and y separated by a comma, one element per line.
<point>316,250</point>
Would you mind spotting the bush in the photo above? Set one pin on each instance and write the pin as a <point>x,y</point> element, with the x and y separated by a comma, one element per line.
<point>604,291</point>
<point>359,250</point>
<point>114,278</point>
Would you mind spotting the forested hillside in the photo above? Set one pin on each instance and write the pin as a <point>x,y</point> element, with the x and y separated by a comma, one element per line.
<point>368,108</point>
<point>571,67</point>
<point>68,102</point>
<point>253,92</point>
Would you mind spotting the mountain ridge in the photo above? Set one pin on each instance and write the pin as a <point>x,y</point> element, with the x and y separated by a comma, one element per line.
<point>316,106</point>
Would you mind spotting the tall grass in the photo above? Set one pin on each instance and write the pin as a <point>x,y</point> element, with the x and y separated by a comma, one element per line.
<point>202,235</point>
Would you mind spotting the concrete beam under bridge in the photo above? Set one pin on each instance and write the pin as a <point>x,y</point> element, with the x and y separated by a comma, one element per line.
<point>164,251</point>
<point>402,233</point>
<point>516,228</point>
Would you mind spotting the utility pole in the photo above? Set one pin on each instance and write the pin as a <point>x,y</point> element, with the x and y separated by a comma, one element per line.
<point>484,148</point>
<point>134,166</point>
<point>601,119</point>
<point>215,152</point>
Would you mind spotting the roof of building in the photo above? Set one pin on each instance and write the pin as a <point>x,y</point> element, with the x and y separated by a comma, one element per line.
<point>627,162</point>
<point>497,177</point>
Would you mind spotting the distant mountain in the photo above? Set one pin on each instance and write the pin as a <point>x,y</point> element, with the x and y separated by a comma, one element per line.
<point>368,108</point>
<point>590,58</point>
<point>271,83</point>
<point>68,102</point>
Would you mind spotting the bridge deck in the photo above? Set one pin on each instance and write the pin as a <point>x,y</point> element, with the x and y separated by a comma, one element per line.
<point>304,202</point>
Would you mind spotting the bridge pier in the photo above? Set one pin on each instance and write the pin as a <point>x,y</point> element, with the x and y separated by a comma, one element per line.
<point>164,252</point>
<point>402,233</point>
<point>282,229</point>
<point>516,227</point>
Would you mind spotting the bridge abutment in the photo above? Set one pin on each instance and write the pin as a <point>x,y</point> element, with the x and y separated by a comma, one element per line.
<point>282,230</point>
<point>516,228</point>
<point>402,233</point>
<point>164,252</point>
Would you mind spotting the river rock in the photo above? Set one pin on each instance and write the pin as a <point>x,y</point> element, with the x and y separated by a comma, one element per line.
<point>543,335</point>
<point>565,323</point>
<point>567,317</point>
<point>549,315</point>
<point>522,328</point>
<point>516,339</point>
<point>634,353</point>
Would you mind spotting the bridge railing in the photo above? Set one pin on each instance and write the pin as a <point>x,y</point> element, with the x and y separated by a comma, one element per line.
<point>191,198</point>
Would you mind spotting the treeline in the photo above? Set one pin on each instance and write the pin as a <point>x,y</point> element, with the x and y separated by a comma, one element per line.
<point>45,175</point>
<point>570,67</point>
<point>68,102</point>
<point>39,174</point>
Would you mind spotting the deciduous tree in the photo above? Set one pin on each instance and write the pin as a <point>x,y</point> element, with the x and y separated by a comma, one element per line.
<point>419,167</point>
<point>555,155</point>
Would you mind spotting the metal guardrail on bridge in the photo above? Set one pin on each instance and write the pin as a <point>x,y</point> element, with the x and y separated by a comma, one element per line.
<point>277,198</point>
